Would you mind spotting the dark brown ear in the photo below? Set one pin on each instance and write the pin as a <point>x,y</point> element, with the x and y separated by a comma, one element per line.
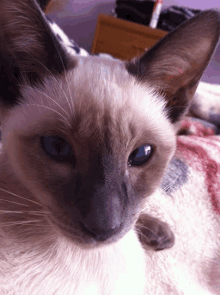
<point>43,4</point>
<point>28,48</point>
<point>176,63</point>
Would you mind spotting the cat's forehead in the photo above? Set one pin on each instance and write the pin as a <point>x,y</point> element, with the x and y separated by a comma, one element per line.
<point>94,95</point>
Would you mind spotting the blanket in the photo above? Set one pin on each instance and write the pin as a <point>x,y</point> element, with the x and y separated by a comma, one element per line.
<point>198,145</point>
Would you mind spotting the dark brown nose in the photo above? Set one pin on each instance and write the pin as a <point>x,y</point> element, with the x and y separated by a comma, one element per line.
<point>104,213</point>
<point>100,234</point>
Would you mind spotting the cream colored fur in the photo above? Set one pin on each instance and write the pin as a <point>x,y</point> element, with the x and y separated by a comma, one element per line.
<point>46,262</point>
<point>104,109</point>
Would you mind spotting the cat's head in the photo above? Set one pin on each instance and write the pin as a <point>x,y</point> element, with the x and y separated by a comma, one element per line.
<point>91,138</point>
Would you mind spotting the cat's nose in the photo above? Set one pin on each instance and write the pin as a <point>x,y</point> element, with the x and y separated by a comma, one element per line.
<point>103,215</point>
<point>101,234</point>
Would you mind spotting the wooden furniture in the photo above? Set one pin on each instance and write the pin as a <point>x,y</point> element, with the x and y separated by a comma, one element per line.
<point>123,39</point>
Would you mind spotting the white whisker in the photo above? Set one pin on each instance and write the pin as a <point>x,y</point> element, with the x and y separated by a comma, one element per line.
<point>54,76</point>
<point>6,191</point>
<point>141,234</point>
<point>71,109</point>
<point>23,212</point>
<point>27,222</point>
<point>9,201</point>
<point>46,107</point>
<point>41,92</point>
<point>171,183</point>
<point>142,226</point>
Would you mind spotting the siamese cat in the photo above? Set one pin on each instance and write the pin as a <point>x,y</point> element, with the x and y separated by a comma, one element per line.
<point>85,144</point>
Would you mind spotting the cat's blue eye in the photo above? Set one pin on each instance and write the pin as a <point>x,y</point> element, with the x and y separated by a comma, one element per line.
<point>140,156</point>
<point>57,148</point>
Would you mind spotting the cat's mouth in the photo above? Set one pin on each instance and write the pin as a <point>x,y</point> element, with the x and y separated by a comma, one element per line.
<point>80,235</point>
<point>101,236</point>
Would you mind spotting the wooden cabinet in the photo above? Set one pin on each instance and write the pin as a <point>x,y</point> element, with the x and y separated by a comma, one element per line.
<point>123,39</point>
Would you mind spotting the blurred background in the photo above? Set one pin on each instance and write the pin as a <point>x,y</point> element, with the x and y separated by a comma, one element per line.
<point>78,19</point>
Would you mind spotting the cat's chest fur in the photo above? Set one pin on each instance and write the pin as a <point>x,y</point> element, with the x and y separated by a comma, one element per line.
<point>66,269</point>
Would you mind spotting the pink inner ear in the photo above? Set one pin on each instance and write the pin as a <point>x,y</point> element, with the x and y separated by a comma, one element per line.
<point>181,71</point>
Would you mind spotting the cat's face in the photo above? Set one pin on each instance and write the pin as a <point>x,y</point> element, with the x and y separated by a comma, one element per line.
<point>88,149</point>
<point>91,138</point>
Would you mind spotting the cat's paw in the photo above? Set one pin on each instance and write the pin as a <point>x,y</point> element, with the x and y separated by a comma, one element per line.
<point>154,233</point>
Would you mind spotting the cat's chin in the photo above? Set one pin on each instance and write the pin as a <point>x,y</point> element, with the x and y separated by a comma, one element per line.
<point>82,237</point>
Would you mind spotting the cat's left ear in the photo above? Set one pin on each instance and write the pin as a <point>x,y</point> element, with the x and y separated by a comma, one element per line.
<point>174,66</point>
<point>28,49</point>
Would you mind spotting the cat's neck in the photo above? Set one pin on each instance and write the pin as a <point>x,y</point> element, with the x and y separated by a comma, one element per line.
<point>107,270</point>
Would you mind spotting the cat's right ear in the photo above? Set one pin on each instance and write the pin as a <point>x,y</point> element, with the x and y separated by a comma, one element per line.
<point>43,4</point>
<point>28,49</point>
<point>174,66</point>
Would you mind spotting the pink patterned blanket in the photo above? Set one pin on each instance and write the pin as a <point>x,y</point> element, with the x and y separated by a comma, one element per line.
<point>198,145</point>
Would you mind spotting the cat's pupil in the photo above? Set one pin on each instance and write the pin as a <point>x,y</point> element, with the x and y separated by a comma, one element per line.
<point>57,148</point>
<point>140,155</point>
